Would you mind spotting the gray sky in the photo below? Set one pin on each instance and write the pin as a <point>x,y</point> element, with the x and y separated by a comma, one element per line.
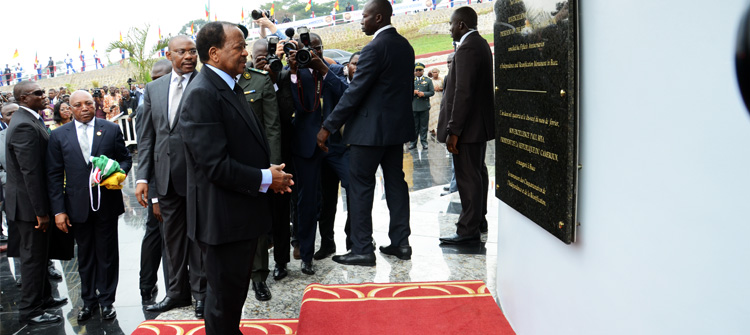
<point>52,29</point>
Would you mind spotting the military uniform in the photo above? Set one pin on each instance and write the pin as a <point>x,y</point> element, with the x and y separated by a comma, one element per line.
<point>421,106</point>
<point>260,93</point>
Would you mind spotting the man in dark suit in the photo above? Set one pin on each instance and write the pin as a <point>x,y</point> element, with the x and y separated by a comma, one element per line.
<point>320,90</point>
<point>466,123</point>
<point>91,213</point>
<point>228,173</point>
<point>161,156</point>
<point>27,202</point>
<point>152,252</point>
<point>378,115</point>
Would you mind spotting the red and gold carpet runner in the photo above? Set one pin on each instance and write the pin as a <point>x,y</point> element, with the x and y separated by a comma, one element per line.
<point>457,307</point>
<point>196,327</point>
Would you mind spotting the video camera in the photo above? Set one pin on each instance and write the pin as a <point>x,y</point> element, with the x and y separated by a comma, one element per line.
<point>258,13</point>
<point>97,93</point>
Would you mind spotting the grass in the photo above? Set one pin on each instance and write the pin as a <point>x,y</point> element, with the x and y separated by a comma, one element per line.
<point>422,44</point>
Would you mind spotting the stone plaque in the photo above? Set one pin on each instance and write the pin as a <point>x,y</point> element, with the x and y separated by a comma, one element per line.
<point>536,79</point>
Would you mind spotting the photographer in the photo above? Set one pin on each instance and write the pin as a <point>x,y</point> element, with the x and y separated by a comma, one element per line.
<point>310,82</point>
<point>265,23</point>
<point>99,103</point>
<point>128,103</point>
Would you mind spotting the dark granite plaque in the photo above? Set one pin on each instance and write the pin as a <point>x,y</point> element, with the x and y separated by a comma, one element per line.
<point>536,79</point>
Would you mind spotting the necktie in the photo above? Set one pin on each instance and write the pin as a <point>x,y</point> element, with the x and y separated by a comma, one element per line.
<point>83,141</point>
<point>175,102</point>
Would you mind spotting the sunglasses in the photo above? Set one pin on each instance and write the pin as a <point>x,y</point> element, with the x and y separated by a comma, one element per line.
<point>39,93</point>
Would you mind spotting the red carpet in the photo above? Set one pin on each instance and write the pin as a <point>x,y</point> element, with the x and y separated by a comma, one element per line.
<point>195,327</point>
<point>458,307</point>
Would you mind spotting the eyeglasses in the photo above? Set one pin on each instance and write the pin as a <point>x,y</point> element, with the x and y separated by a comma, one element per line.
<point>182,52</point>
<point>39,93</point>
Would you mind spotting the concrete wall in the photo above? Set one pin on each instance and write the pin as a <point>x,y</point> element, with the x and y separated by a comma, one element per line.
<point>664,241</point>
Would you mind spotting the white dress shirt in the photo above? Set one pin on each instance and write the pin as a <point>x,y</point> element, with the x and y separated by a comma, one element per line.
<point>380,30</point>
<point>173,81</point>
<point>35,114</point>
<point>89,132</point>
<point>458,44</point>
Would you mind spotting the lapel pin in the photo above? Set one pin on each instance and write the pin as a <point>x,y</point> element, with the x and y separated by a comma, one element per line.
<point>99,133</point>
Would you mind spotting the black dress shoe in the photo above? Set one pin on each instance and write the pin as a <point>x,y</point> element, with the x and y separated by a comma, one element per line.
<point>324,253</point>
<point>447,188</point>
<point>424,146</point>
<point>43,319</point>
<point>108,312</point>
<point>85,313</point>
<point>413,146</point>
<point>279,272</point>
<point>3,238</point>
<point>148,295</point>
<point>402,252</point>
<point>262,293</point>
<point>168,304</point>
<point>54,303</point>
<point>307,268</point>
<point>458,239</point>
<point>200,307</point>
<point>52,272</point>
<point>355,259</point>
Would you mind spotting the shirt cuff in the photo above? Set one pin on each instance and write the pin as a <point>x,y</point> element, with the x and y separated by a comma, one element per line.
<point>266,182</point>
<point>293,77</point>
<point>154,200</point>
<point>275,87</point>
<point>141,181</point>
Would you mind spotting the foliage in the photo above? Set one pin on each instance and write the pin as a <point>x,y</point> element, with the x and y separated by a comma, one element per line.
<point>185,30</point>
<point>141,57</point>
<point>95,83</point>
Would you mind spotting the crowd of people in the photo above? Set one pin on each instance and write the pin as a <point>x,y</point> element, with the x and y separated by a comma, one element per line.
<point>12,75</point>
<point>230,155</point>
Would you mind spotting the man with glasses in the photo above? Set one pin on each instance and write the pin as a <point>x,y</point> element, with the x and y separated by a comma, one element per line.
<point>162,157</point>
<point>27,202</point>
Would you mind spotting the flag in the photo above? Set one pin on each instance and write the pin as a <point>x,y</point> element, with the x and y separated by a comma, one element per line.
<point>36,58</point>
<point>79,43</point>
<point>207,14</point>
<point>336,6</point>
<point>92,44</point>
<point>271,9</point>
<point>15,54</point>
<point>309,5</point>
<point>191,29</point>
<point>121,36</point>
<point>243,13</point>
<point>160,29</point>
<point>215,19</point>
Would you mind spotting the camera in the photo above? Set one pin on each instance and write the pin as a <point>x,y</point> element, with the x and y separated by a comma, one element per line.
<point>130,82</point>
<point>273,61</point>
<point>303,54</point>
<point>97,93</point>
<point>258,13</point>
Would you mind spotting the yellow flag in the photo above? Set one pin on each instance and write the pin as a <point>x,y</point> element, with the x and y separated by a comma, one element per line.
<point>15,54</point>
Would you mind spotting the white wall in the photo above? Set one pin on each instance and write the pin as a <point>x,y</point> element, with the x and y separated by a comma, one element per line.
<point>664,241</point>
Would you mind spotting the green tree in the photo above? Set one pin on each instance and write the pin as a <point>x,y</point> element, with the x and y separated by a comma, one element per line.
<point>141,57</point>
<point>197,24</point>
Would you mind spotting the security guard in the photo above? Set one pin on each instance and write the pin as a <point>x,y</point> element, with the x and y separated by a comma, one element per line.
<point>261,94</point>
<point>420,104</point>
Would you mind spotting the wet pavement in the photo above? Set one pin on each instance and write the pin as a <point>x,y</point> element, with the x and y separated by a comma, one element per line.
<point>432,215</point>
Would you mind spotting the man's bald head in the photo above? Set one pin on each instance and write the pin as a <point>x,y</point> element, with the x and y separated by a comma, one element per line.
<point>80,94</point>
<point>376,15</point>
<point>21,88</point>
<point>382,7</point>
<point>467,15</point>
<point>260,45</point>
<point>7,112</point>
<point>174,41</point>
<point>82,105</point>
<point>161,68</point>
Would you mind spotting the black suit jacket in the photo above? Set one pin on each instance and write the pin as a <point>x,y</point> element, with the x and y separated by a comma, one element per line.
<point>226,149</point>
<point>468,106</point>
<point>377,105</point>
<point>26,150</point>
<point>68,174</point>
<point>160,149</point>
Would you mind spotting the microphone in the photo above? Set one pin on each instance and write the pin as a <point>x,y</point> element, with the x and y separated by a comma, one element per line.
<point>289,32</point>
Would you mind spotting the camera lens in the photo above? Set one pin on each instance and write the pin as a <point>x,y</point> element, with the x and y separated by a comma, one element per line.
<point>275,64</point>
<point>303,57</point>
<point>256,14</point>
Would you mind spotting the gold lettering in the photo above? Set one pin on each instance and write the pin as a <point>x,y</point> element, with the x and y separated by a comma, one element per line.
<point>517,17</point>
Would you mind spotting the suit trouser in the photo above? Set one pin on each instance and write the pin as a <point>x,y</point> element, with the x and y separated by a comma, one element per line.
<point>184,259</point>
<point>364,161</point>
<point>282,206</point>
<point>472,181</point>
<point>329,191</point>
<point>308,178</point>
<point>421,121</point>
<point>152,252</point>
<point>98,259</point>
<point>35,288</point>
<point>260,261</point>
<point>228,276</point>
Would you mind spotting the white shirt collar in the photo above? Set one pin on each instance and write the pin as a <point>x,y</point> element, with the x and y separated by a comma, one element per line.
<point>35,114</point>
<point>225,76</point>
<point>381,29</point>
<point>464,37</point>
<point>79,123</point>
<point>185,76</point>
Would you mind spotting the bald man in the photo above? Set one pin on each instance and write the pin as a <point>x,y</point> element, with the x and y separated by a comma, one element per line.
<point>94,226</point>
<point>161,156</point>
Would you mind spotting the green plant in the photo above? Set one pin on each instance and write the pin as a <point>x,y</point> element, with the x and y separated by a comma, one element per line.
<point>141,57</point>
<point>94,83</point>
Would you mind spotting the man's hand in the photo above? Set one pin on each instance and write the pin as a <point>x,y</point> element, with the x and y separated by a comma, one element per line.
<point>292,61</point>
<point>450,144</point>
<point>420,94</point>
<point>62,222</point>
<point>416,92</point>
<point>317,64</point>
<point>157,211</point>
<point>281,181</point>
<point>280,49</point>
<point>141,194</point>
<point>322,138</point>
<point>42,223</point>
